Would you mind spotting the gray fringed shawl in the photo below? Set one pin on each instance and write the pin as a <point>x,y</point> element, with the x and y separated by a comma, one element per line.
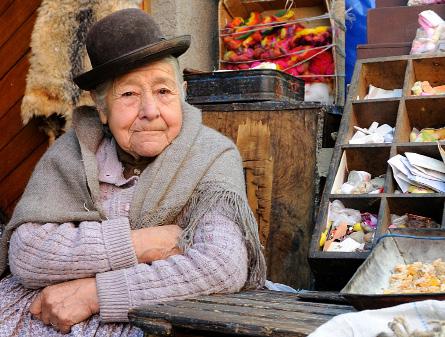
<point>199,169</point>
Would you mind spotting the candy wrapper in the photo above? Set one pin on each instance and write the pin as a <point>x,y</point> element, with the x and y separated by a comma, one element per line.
<point>427,135</point>
<point>412,221</point>
<point>374,134</point>
<point>424,88</point>
<point>348,230</point>
<point>360,182</point>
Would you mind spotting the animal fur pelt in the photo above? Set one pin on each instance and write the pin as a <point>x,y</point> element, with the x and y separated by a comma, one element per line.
<point>58,54</point>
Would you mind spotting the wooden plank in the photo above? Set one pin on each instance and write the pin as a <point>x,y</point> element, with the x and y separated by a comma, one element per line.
<point>12,186</point>
<point>20,147</point>
<point>5,4</point>
<point>273,296</point>
<point>253,142</point>
<point>273,317</point>
<point>236,319</point>
<point>294,141</point>
<point>11,124</point>
<point>273,311</point>
<point>322,296</point>
<point>14,16</point>
<point>12,85</point>
<point>17,46</point>
<point>274,305</point>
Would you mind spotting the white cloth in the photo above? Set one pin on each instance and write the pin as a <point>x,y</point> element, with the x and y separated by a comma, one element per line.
<point>370,323</point>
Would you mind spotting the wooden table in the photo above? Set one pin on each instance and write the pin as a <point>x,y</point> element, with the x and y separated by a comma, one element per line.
<point>252,313</point>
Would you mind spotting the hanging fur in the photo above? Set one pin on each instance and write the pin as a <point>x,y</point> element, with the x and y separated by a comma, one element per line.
<point>58,54</point>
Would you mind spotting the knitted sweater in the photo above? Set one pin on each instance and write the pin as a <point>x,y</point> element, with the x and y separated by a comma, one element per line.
<point>43,254</point>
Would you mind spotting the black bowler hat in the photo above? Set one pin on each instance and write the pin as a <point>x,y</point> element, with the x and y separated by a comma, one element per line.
<point>123,41</point>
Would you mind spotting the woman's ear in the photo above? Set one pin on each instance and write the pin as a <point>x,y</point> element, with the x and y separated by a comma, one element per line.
<point>184,86</point>
<point>102,115</point>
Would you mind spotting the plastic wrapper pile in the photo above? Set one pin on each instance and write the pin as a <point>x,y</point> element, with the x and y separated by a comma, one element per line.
<point>430,37</point>
<point>347,230</point>
<point>360,182</point>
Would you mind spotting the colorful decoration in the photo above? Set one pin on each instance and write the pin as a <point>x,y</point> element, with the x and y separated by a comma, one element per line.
<point>292,47</point>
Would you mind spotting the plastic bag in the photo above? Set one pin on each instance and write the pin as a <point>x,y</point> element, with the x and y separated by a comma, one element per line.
<point>355,31</point>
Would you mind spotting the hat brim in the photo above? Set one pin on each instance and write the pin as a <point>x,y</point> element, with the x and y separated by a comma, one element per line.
<point>123,64</point>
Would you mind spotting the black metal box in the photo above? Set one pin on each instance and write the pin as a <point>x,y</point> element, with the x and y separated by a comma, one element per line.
<point>243,86</point>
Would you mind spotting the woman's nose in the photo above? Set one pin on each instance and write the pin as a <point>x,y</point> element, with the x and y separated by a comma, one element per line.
<point>148,108</point>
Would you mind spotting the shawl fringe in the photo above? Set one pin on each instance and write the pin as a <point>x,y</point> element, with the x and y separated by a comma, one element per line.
<point>235,207</point>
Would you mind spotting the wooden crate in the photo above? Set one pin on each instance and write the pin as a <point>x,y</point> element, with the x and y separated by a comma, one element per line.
<point>228,9</point>
<point>333,269</point>
<point>278,143</point>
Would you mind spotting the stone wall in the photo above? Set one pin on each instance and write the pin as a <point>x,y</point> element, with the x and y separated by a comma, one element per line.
<point>199,18</point>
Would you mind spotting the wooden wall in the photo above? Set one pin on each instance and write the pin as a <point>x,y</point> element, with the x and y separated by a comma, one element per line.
<point>20,146</point>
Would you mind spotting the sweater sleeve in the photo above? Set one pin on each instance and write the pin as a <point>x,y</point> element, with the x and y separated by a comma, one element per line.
<point>43,254</point>
<point>215,263</point>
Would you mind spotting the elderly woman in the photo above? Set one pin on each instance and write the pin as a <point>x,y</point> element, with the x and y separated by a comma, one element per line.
<point>137,203</point>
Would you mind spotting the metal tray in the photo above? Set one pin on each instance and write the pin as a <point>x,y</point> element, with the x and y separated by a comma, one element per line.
<point>365,289</point>
<point>243,86</point>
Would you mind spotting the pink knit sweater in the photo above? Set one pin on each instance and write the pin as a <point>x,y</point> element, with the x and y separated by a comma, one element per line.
<point>44,254</point>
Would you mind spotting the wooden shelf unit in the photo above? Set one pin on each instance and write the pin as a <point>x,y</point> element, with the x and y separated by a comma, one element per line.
<point>333,269</point>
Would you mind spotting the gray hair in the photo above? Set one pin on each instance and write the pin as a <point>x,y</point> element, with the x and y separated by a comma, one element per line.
<point>101,90</point>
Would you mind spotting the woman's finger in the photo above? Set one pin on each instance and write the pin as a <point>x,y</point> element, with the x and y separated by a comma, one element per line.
<point>46,317</point>
<point>65,329</point>
<point>54,325</point>
<point>36,306</point>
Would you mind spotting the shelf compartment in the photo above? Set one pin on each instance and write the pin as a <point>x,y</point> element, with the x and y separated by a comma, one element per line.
<point>431,69</point>
<point>426,149</point>
<point>366,112</point>
<point>370,205</point>
<point>386,75</point>
<point>419,112</point>
<point>422,205</point>
<point>370,159</point>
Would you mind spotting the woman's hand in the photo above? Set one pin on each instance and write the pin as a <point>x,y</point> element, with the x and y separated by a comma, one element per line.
<point>65,304</point>
<point>156,243</point>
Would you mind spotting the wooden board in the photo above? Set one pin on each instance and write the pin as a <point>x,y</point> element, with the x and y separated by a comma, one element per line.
<point>13,16</point>
<point>12,85</point>
<point>14,124</point>
<point>253,313</point>
<point>17,46</point>
<point>13,185</point>
<point>20,147</point>
<point>333,269</point>
<point>278,148</point>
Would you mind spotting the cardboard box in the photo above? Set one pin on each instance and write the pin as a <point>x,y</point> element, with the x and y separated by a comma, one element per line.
<point>397,24</point>
<point>365,51</point>
<point>228,9</point>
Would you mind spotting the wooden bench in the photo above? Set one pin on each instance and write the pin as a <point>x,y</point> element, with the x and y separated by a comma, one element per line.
<point>251,313</point>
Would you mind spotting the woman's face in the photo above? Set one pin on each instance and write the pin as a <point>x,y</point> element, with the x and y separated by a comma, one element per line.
<point>144,109</point>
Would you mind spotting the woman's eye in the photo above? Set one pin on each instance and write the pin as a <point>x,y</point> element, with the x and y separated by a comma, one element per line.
<point>164,91</point>
<point>128,94</point>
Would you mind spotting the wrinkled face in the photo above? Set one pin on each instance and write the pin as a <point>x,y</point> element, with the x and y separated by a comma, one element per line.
<point>144,109</point>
